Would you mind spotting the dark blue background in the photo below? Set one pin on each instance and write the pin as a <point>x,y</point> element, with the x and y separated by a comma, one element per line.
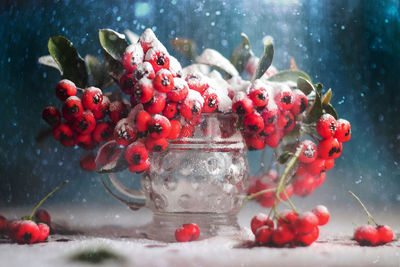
<point>352,47</point>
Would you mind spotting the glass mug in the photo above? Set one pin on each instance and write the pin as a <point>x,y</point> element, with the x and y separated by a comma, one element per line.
<point>201,179</point>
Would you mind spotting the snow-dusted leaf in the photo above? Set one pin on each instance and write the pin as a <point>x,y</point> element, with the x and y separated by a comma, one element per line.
<point>305,86</point>
<point>113,43</point>
<point>110,158</point>
<point>113,66</point>
<point>266,58</point>
<point>315,110</point>
<point>204,69</point>
<point>49,61</point>
<point>100,77</point>
<point>69,61</point>
<point>185,46</point>
<point>288,75</point>
<point>328,108</point>
<point>214,59</point>
<point>132,37</point>
<point>326,98</point>
<point>241,54</point>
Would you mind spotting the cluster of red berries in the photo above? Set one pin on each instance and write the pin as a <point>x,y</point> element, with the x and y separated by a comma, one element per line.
<point>291,229</point>
<point>316,160</point>
<point>27,231</point>
<point>79,122</point>
<point>268,112</point>
<point>187,232</point>
<point>368,235</point>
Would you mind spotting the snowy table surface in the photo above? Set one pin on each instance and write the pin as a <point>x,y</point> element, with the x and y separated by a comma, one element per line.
<point>114,229</point>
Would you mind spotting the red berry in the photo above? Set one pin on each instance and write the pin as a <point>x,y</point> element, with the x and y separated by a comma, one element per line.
<point>118,111</point>
<point>156,104</point>
<point>140,167</point>
<point>188,232</point>
<point>385,234</point>
<point>186,131</point>
<point>175,130</point>
<point>88,162</point>
<point>52,116</point>
<point>72,108</point>
<point>316,167</point>
<point>306,239</point>
<point>156,145</point>
<point>64,89</point>
<point>273,139</point>
<point>287,217</point>
<point>329,163</point>
<point>259,221</point>
<point>136,154</point>
<point>144,70</point>
<point>366,235</point>
<point>253,123</point>
<point>242,105</point>
<point>142,120</point>
<point>303,185</point>
<point>164,81</point>
<point>12,229</point>
<point>103,109</point>
<point>300,102</point>
<point>258,94</point>
<point>180,90</point>
<point>64,134</point>
<point>92,98</point>
<point>192,105</point>
<point>3,224</point>
<point>284,99</point>
<point>171,110</point>
<point>197,81</point>
<point>285,121</point>
<point>159,126</point>
<point>308,151</point>
<point>254,142</point>
<point>326,126</point>
<point>264,235</point>
<point>343,131</point>
<point>270,115</point>
<point>85,123</point>
<point>43,216</point>
<point>319,180</point>
<point>302,170</point>
<point>44,231</point>
<point>27,232</point>
<point>329,148</point>
<point>322,214</point>
<point>103,132</point>
<point>305,222</point>
<point>124,132</point>
<point>175,67</point>
<point>146,39</point>
<point>126,83</point>
<point>210,100</point>
<point>158,58</point>
<point>132,56</point>
<point>283,235</point>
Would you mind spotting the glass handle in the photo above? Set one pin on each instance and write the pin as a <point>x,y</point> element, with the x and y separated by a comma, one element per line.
<point>134,199</point>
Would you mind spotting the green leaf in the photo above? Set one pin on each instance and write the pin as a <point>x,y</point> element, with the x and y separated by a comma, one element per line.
<point>289,75</point>
<point>96,256</point>
<point>132,37</point>
<point>328,108</point>
<point>266,58</point>
<point>241,54</point>
<point>100,77</point>
<point>71,64</point>
<point>113,67</point>
<point>113,42</point>
<point>214,59</point>
<point>327,97</point>
<point>305,85</point>
<point>185,46</point>
<point>319,87</point>
<point>49,61</point>
<point>315,111</point>
<point>284,157</point>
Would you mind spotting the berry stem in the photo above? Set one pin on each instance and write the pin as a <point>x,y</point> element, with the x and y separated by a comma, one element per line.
<point>259,193</point>
<point>46,197</point>
<point>80,89</point>
<point>370,217</point>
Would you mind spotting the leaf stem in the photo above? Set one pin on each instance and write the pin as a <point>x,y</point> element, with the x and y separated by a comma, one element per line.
<point>370,217</point>
<point>46,197</point>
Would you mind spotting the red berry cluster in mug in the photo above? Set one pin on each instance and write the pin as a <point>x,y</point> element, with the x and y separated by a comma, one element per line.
<point>289,229</point>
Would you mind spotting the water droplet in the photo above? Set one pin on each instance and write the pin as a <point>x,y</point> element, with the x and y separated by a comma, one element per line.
<point>343,27</point>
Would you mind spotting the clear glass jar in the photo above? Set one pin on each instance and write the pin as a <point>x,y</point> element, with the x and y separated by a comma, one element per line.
<point>201,179</point>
